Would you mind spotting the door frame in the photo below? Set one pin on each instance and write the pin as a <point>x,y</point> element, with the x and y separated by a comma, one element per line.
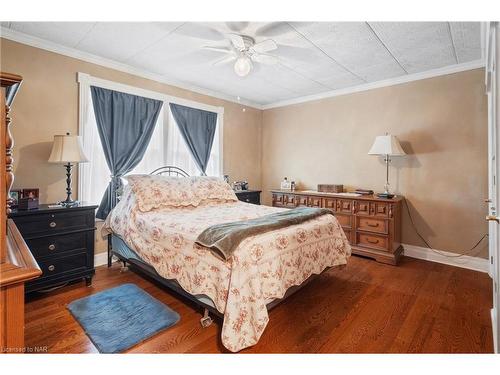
<point>492,81</point>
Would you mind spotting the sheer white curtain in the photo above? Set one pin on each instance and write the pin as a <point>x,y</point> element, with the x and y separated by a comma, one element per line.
<point>178,154</point>
<point>167,147</point>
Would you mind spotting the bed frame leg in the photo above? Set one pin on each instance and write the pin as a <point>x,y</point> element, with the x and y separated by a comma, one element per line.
<point>124,267</point>
<point>206,321</point>
<point>110,256</point>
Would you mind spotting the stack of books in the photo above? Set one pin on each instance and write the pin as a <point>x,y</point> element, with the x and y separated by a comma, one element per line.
<point>364,191</point>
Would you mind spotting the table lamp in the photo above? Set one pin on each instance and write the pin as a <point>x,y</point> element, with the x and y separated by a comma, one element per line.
<point>67,149</point>
<point>387,146</point>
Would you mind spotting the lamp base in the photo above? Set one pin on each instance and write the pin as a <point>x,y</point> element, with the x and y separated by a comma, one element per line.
<point>67,203</point>
<point>385,195</point>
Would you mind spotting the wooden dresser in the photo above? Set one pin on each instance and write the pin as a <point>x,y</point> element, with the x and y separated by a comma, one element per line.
<point>372,225</point>
<point>17,265</point>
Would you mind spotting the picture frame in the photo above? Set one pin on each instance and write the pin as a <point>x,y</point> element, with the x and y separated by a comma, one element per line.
<point>30,193</point>
<point>14,196</point>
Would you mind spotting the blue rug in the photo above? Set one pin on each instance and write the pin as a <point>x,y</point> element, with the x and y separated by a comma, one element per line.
<point>118,318</point>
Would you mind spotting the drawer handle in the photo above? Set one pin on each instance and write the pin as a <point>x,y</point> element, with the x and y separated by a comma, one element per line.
<point>51,268</point>
<point>52,224</point>
<point>372,241</point>
<point>52,247</point>
<point>373,225</point>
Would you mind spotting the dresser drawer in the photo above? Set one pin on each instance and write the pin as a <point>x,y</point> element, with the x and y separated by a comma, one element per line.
<point>289,200</point>
<point>55,245</point>
<point>301,200</point>
<point>55,266</point>
<point>344,220</point>
<point>314,201</point>
<point>372,241</point>
<point>380,209</point>
<point>47,223</point>
<point>372,224</point>
<point>278,200</point>
<point>329,203</point>
<point>344,205</point>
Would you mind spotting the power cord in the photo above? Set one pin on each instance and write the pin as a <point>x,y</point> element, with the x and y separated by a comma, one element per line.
<point>430,247</point>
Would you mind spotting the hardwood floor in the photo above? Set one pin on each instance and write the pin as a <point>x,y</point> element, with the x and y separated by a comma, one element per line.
<point>367,307</point>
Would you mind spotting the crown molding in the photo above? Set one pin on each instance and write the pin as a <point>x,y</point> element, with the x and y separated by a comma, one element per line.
<point>476,64</point>
<point>33,41</point>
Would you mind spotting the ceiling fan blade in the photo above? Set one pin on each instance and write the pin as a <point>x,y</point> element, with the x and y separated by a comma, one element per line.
<point>263,58</point>
<point>237,41</point>
<point>217,49</point>
<point>237,26</point>
<point>265,46</point>
<point>225,60</point>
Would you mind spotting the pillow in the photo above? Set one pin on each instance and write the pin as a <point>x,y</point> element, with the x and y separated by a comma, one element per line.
<point>212,189</point>
<point>164,191</point>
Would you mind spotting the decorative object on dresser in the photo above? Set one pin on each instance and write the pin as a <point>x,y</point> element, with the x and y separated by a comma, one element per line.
<point>249,196</point>
<point>27,199</point>
<point>62,242</point>
<point>285,184</point>
<point>240,185</point>
<point>67,149</point>
<point>387,146</point>
<point>330,188</point>
<point>17,264</point>
<point>371,224</point>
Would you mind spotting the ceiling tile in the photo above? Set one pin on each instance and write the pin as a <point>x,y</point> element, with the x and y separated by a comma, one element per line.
<point>66,33</point>
<point>122,40</point>
<point>354,46</point>
<point>467,40</point>
<point>418,46</point>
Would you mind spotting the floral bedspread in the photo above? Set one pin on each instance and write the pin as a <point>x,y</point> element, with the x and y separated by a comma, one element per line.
<point>261,269</point>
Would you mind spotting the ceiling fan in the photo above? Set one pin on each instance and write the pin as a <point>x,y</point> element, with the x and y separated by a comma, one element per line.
<point>244,52</point>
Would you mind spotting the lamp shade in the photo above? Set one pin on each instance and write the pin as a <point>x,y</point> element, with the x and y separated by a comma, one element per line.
<point>386,145</point>
<point>67,149</point>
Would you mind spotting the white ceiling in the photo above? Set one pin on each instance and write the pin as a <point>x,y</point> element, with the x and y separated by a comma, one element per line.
<point>314,57</point>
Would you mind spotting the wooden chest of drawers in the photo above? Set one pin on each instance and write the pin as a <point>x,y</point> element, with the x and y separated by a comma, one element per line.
<point>62,242</point>
<point>372,225</point>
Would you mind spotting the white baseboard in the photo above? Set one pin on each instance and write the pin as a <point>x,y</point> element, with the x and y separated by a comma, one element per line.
<point>445,257</point>
<point>101,259</point>
<point>494,328</point>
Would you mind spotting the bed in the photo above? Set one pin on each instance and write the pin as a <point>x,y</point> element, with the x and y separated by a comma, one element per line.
<point>262,272</point>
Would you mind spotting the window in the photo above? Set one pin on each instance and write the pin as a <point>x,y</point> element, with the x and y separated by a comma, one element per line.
<point>167,147</point>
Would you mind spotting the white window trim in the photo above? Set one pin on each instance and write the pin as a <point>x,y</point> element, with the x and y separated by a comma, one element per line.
<point>86,80</point>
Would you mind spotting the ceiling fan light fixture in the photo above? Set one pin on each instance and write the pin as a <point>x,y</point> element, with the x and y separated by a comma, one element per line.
<point>243,66</point>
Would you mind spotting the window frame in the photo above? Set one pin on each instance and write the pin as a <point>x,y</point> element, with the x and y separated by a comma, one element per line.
<point>86,80</point>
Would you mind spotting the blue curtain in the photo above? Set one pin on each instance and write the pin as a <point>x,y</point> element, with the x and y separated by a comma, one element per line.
<point>198,130</point>
<point>125,123</point>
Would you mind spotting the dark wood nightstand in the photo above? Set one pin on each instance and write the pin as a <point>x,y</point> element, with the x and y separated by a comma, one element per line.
<point>249,196</point>
<point>62,242</point>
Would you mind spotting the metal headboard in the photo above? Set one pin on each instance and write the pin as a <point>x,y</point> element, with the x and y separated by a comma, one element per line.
<point>170,171</point>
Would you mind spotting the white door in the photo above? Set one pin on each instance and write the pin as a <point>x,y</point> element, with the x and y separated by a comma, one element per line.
<point>492,82</point>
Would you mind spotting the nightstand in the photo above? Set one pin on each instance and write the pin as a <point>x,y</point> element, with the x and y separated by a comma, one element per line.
<point>249,196</point>
<point>62,242</point>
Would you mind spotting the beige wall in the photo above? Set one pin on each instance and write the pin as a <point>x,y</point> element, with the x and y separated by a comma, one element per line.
<point>47,104</point>
<point>442,123</point>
